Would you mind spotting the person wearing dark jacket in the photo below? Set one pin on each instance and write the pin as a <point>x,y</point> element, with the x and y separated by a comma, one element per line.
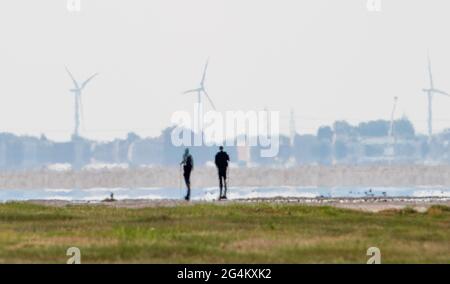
<point>188,166</point>
<point>221,161</point>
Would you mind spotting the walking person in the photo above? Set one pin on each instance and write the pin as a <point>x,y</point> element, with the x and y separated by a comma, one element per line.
<point>188,166</point>
<point>221,161</point>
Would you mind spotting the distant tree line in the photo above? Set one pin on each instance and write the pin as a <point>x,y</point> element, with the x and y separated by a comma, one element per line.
<point>342,142</point>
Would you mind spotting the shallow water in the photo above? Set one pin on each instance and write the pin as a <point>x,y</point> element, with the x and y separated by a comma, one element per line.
<point>210,193</point>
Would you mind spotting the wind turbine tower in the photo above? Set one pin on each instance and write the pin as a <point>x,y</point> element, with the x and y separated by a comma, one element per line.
<point>389,151</point>
<point>391,127</point>
<point>431,91</point>
<point>292,131</point>
<point>77,91</point>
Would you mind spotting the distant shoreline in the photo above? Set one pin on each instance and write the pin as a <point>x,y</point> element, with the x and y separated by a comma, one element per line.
<point>326,176</point>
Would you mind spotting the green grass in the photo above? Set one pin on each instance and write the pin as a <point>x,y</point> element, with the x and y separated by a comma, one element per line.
<point>209,233</point>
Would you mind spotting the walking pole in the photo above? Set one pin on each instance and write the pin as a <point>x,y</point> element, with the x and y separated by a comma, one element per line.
<point>226,183</point>
<point>181,194</point>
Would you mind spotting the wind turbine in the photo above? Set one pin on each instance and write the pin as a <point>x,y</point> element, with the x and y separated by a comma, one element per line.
<point>77,91</point>
<point>200,90</point>
<point>430,92</point>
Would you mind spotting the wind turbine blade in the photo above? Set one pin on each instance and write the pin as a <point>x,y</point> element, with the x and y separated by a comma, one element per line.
<point>192,91</point>
<point>429,71</point>
<point>204,72</point>
<point>87,81</point>
<point>209,99</point>
<point>73,78</point>
<point>441,92</point>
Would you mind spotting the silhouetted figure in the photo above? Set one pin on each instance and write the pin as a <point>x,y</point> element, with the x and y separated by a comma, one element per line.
<point>110,199</point>
<point>188,166</point>
<point>221,161</point>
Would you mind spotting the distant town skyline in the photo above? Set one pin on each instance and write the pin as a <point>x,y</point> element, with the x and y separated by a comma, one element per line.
<point>327,60</point>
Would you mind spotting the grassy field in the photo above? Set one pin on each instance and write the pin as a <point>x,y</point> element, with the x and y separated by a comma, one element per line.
<point>211,233</point>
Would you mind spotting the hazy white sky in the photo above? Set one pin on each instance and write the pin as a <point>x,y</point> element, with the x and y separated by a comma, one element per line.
<point>326,59</point>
